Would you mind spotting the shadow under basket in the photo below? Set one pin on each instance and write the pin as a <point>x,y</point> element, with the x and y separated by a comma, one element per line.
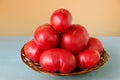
<point>38,68</point>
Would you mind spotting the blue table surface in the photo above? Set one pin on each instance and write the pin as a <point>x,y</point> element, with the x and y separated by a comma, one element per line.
<point>12,68</point>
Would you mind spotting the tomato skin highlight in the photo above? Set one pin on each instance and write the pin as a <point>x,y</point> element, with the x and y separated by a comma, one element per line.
<point>58,60</point>
<point>88,58</point>
<point>46,37</point>
<point>75,39</point>
<point>96,44</point>
<point>32,51</point>
<point>61,20</point>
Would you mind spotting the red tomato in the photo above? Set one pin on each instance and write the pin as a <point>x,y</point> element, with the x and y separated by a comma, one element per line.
<point>32,51</point>
<point>46,37</point>
<point>88,58</point>
<point>58,60</point>
<point>61,20</point>
<point>96,44</point>
<point>75,39</point>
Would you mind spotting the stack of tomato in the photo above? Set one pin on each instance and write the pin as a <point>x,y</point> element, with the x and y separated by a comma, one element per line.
<point>62,47</point>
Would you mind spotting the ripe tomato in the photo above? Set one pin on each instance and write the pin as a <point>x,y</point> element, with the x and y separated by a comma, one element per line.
<point>46,37</point>
<point>58,60</point>
<point>88,58</point>
<point>32,51</point>
<point>75,39</point>
<point>61,20</point>
<point>96,44</point>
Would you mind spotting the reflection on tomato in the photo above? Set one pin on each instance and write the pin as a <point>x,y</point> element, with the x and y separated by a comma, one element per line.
<point>61,20</point>
<point>75,39</point>
<point>58,60</point>
<point>88,58</point>
<point>46,37</point>
<point>32,51</point>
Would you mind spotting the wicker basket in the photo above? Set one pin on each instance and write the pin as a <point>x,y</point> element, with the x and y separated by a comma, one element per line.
<point>38,68</point>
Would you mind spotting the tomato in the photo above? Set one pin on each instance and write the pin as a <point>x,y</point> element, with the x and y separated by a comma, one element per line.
<point>61,20</point>
<point>46,37</point>
<point>75,39</point>
<point>58,60</point>
<point>96,44</point>
<point>88,58</point>
<point>32,51</point>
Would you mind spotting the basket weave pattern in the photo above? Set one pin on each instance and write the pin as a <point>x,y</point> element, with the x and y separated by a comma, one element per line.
<point>38,68</point>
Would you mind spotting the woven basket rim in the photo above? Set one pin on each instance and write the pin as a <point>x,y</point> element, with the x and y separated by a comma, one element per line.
<point>36,67</point>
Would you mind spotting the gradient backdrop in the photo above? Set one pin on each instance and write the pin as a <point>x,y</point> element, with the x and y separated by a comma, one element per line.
<point>22,17</point>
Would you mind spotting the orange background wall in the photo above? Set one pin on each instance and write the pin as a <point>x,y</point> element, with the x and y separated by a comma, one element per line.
<point>22,17</point>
